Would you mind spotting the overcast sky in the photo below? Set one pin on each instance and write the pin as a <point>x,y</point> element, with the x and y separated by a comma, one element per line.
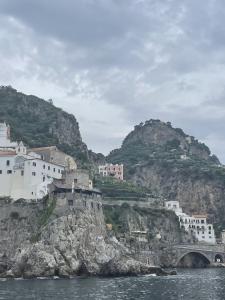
<point>115,63</point>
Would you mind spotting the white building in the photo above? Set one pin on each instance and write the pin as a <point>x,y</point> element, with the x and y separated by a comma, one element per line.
<point>195,224</point>
<point>173,205</point>
<point>5,142</point>
<point>24,175</point>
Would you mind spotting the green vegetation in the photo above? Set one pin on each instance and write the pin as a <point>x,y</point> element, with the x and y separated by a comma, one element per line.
<point>39,123</point>
<point>167,156</point>
<point>114,189</point>
<point>44,217</point>
<point>120,217</point>
<point>115,215</point>
<point>134,154</point>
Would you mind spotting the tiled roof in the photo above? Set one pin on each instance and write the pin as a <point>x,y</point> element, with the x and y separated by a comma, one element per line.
<point>42,148</point>
<point>199,216</point>
<point>7,153</point>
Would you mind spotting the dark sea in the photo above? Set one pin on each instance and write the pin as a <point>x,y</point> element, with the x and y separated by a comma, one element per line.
<point>196,284</point>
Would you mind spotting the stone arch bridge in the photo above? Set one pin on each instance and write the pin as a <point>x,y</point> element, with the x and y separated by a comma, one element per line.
<point>198,255</point>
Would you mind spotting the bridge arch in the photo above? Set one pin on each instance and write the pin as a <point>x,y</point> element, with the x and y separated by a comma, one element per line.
<point>193,259</point>
<point>218,258</point>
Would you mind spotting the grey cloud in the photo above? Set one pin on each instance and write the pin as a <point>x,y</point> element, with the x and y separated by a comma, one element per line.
<point>84,22</point>
<point>146,58</point>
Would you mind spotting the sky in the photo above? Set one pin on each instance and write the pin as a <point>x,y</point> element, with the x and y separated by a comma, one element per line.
<point>116,63</point>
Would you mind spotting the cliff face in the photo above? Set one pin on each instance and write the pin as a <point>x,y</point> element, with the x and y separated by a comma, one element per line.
<point>40,123</point>
<point>176,166</point>
<point>52,239</point>
<point>146,230</point>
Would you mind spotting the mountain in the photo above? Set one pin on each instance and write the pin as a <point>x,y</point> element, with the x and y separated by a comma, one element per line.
<point>39,123</point>
<point>176,166</point>
<point>156,156</point>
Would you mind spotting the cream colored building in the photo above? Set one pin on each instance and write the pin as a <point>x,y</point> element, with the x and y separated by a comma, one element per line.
<point>195,224</point>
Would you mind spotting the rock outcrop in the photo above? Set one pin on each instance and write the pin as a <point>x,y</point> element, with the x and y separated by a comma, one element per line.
<point>51,239</point>
<point>39,123</point>
<point>147,232</point>
<point>175,166</point>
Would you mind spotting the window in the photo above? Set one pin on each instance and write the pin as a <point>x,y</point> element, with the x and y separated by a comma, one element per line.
<point>92,205</point>
<point>75,180</point>
<point>34,164</point>
<point>203,236</point>
<point>9,172</point>
<point>202,221</point>
<point>44,179</point>
<point>53,169</point>
<point>33,173</point>
<point>7,162</point>
<point>49,168</point>
<point>22,173</point>
<point>59,171</point>
<point>43,166</point>
<point>209,227</point>
<point>70,202</point>
<point>0,171</point>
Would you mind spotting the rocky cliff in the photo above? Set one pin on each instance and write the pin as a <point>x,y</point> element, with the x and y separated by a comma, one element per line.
<point>176,166</point>
<point>39,123</point>
<point>146,231</point>
<point>50,238</point>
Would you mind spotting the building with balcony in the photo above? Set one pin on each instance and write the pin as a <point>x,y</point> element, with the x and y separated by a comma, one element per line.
<point>196,224</point>
<point>111,170</point>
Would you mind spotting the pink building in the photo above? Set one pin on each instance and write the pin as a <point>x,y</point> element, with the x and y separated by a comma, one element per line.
<point>111,170</point>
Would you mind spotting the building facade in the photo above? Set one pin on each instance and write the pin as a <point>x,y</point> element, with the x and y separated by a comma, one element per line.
<point>30,173</point>
<point>195,224</point>
<point>25,173</point>
<point>111,170</point>
<point>5,142</point>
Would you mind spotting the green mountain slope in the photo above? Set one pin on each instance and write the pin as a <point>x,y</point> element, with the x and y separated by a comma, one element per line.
<point>39,123</point>
<point>176,166</point>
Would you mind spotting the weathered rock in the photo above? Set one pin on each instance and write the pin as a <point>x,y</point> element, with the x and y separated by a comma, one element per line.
<point>176,166</point>
<point>73,241</point>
